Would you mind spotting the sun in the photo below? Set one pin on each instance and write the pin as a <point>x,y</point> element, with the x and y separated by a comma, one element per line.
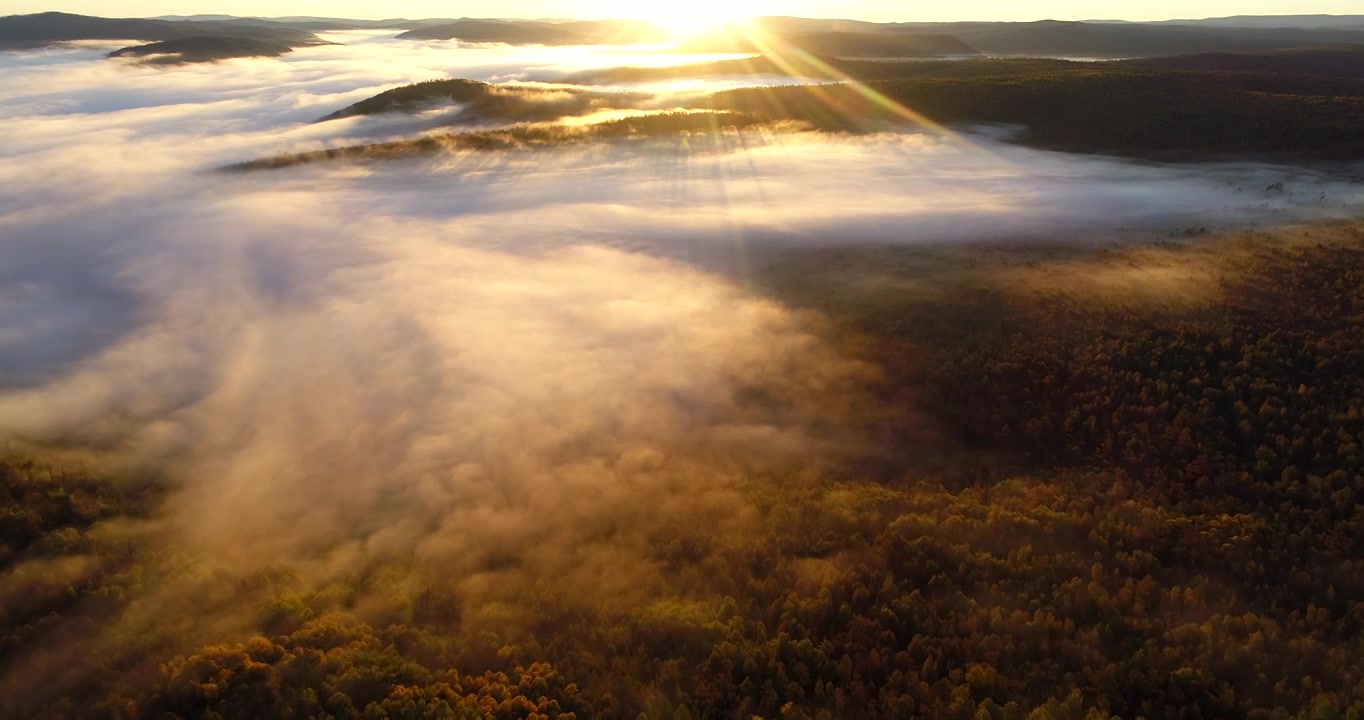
<point>689,20</point>
<point>683,23</point>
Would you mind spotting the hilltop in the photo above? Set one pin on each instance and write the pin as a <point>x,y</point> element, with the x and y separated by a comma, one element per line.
<point>485,101</point>
<point>202,49</point>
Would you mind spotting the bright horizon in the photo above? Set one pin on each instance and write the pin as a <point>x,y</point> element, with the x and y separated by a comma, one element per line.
<point>874,10</point>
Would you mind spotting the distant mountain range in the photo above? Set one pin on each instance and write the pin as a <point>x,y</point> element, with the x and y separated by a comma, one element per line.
<point>847,38</point>
<point>1089,39</point>
<point>539,32</point>
<point>1306,22</point>
<point>29,31</point>
<point>836,43</point>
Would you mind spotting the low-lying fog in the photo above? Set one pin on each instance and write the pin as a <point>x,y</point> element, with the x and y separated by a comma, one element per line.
<point>427,358</point>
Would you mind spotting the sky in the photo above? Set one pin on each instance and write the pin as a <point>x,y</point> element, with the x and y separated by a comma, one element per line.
<point>880,10</point>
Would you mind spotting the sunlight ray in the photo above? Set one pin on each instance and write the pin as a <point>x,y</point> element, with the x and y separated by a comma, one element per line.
<point>798,62</point>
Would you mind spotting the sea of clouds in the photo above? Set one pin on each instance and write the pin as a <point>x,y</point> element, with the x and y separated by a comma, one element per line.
<point>506,372</point>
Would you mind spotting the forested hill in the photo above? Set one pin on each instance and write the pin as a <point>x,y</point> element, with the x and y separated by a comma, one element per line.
<point>1319,21</point>
<point>27,31</point>
<point>1299,104</point>
<point>512,33</point>
<point>1345,61</point>
<point>473,100</point>
<point>202,49</point>
<point>529,32</point>
<point>1053,38</point>
<point>1105,40</point>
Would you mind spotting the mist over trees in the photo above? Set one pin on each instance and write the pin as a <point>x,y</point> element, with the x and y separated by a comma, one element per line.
<point>1130,509</point>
